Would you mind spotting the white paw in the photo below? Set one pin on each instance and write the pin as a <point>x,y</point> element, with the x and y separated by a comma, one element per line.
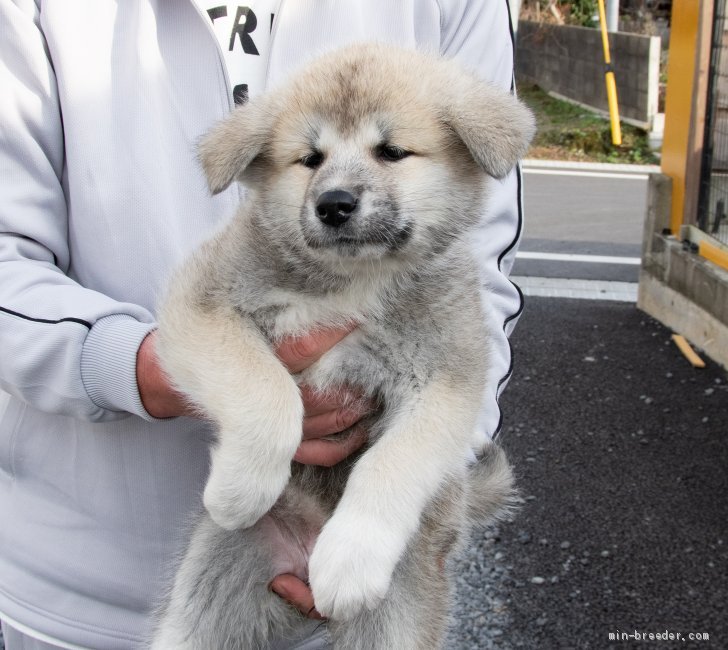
<point>351,567</point>
<point>236,498</point>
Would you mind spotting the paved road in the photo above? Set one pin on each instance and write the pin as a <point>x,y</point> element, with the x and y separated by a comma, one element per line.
<point>585,204</point>
<point>577,215</point>
<point>621,453</point>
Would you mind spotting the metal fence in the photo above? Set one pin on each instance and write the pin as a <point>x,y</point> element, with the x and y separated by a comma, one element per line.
<point>713,194</point>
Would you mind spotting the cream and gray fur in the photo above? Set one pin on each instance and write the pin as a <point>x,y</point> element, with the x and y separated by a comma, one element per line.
<point>364,177</point>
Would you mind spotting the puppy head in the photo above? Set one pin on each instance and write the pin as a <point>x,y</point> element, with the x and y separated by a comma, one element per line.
<point>372,152</point>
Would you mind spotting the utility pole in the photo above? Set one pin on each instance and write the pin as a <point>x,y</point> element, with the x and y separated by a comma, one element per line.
<point>515,7</point>
<point>612,15</point>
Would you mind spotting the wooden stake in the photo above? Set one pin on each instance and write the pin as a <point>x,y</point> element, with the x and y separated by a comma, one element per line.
<point>688,351</point>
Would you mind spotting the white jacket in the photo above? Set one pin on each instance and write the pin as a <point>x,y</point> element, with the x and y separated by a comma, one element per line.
<point>100,196</point>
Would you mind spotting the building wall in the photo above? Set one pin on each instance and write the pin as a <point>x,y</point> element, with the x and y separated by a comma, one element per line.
<point>569,61</point>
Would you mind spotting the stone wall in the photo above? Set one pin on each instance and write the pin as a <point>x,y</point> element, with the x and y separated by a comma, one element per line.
<point>569,62</point>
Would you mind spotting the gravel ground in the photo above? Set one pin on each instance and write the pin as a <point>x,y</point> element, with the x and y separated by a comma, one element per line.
<point>481,617</point>
<point>621,454</point>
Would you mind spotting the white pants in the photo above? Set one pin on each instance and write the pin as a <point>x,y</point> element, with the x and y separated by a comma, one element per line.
<point>15,640</point>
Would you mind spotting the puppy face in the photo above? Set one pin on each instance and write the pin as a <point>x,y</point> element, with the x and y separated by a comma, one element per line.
<point>380,181</point>
<point>372,153</point>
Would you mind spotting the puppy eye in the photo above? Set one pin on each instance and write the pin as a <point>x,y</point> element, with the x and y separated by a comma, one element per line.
<point>312,160</point>
<point>392,153</point>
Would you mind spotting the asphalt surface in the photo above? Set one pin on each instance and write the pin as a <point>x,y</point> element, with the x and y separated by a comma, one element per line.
<point>621,451</point>
<point>582,209</point>
<point>619,444</point>
<point>584,202</point>
<point>555,268</point>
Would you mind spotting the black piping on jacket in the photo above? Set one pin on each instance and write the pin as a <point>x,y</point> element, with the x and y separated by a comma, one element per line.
<point>510,247</point>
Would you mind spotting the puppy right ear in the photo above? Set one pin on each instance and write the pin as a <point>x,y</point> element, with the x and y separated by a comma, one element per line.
<point>231,145</point>
<point>495,127</point>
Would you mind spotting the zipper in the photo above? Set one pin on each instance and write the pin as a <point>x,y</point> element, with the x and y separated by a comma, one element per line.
<point>221,59</point>
<point>278,9</point>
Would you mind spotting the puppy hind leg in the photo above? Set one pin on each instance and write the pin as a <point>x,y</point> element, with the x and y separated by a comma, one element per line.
<point>220,598</point>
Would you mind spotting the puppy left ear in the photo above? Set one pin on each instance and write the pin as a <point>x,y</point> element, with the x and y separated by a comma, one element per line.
<point>495,127</point>
<point>232,144</point>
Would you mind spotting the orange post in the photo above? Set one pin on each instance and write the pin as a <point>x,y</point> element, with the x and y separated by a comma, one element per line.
<point>680,148</point>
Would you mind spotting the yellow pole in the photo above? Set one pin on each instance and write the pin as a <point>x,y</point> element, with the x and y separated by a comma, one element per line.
<point>609,78</point>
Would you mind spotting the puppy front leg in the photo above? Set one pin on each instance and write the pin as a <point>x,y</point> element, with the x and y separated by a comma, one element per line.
<point>358,549</point>
<point>225,366</point>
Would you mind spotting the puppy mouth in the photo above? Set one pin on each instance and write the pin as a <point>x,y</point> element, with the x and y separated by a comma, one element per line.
<point>335,241</point>
<point>347,246</point>
<point>374,241</point>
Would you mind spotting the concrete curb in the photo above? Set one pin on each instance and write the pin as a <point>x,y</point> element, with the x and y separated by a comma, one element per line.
<point>569,165</point>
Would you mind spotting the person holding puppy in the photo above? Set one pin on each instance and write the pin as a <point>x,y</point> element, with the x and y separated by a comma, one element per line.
<point>101,462</point>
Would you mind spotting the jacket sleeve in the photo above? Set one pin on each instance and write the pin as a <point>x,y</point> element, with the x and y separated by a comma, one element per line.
<point>478,34</point>
<point>65,349</point>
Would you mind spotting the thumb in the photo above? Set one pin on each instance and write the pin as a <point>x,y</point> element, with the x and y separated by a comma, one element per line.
<point>298,353</point>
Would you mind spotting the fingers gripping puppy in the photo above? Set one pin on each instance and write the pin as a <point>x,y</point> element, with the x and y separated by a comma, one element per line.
<point>364,177</point>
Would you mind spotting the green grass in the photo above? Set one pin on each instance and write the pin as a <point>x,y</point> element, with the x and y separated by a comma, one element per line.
<point>570,132</point>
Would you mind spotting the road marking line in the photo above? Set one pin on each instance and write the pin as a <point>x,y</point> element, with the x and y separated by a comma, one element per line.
<point>582,289</point>
<point>569,257</point>
<point>572,172</point>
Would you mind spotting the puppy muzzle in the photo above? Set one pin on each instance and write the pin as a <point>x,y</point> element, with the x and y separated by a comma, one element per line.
<point>335,207</point>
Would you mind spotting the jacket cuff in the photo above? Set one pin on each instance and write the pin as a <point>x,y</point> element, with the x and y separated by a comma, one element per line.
<point>108,363</point>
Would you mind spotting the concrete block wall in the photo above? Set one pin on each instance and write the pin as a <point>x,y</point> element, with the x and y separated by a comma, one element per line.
<point>682,290</point>
<point>569,61</point>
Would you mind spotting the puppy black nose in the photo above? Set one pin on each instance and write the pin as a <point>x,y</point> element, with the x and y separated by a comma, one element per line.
<point>335,207</point>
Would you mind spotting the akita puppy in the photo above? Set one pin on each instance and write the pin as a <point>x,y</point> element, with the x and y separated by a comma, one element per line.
<point>364,176</point>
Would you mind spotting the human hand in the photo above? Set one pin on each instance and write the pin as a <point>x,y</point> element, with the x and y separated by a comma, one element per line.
<point>158,396</point>
<point>297,593</point>
<point>326,414</point>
